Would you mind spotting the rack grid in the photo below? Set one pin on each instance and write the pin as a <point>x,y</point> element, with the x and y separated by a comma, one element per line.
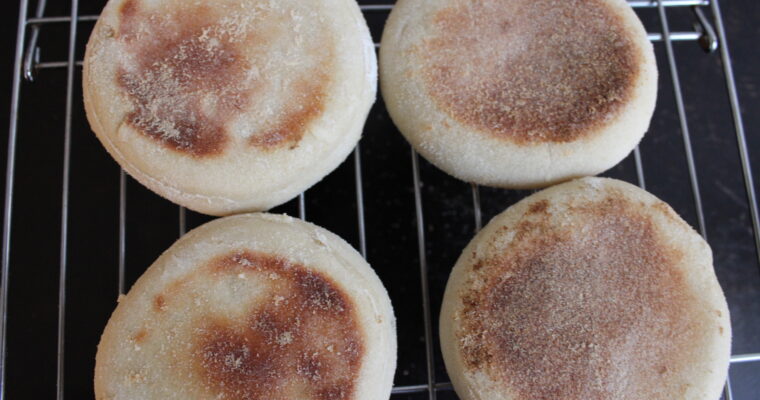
<point>708,33</point>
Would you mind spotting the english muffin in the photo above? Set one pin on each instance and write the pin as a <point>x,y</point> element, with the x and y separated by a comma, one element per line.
<point>518,93</point>
<point>593,289</point>
<point>226,106</point>
<point>251,307</point>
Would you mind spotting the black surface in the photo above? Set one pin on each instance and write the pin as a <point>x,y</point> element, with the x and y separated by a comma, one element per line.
<point>390,213</point>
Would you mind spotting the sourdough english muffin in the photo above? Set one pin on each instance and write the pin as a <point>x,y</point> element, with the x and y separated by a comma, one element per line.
<point>518,93</point>
<point>251,307</point>
<point>593,289</point>
<point>226,106</point>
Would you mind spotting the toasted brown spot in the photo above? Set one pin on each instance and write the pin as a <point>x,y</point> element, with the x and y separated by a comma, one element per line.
<point>140,336</point>
<point>330,393</point>
<point>191,73</point>
<point>583,309</point>
<point>538,207</point>
<point>178,69</point>
<point>530,71</point>
<point>159,303</point>
<point>305,340</point>
<point>311,99</point>
<point>128,9</point>
<point>137,377</point>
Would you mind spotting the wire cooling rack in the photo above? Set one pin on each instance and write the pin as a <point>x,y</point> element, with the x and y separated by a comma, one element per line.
<point>708,33</point>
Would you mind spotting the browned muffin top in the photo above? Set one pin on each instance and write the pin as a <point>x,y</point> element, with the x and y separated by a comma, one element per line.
<point>587,302</point>
<point>530,71</point>
<point>195,68</point>
<point>298,338</point>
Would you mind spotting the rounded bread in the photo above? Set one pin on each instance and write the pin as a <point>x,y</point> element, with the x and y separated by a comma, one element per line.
<point>518,93</point>
<point>250,306</point>
<point>227,106</point>
<point>592,289</point>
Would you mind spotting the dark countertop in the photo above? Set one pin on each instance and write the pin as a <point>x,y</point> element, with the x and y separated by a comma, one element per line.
<point>389,207</point>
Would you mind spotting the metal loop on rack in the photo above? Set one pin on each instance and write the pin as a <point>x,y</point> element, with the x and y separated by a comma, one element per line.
<point>31,59</point>
<point>32,54</point>
<point>708,40</point>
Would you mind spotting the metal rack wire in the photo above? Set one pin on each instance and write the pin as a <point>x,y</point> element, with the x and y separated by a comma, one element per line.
<point>709,34</point>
